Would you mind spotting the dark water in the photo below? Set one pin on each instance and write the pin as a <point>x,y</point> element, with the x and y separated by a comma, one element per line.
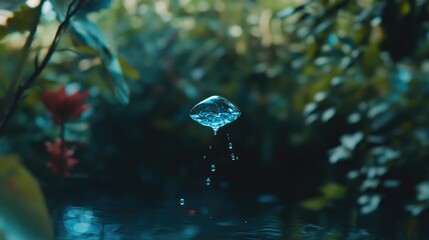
<point>204,216</point>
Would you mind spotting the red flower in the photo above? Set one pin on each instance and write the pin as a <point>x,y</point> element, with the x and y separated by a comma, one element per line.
<point>60,165</point>
<point>63,106</point>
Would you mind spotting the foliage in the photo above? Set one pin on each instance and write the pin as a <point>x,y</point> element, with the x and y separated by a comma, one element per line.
<point>332,96</point>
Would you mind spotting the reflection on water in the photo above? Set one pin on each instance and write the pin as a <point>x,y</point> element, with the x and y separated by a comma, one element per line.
<point>101,221</point>
<point>81,222</point>
<point>132,217</point>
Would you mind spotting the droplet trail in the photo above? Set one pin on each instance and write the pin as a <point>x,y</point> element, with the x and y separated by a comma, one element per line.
<point>208,181</point>
<point>230,145</point>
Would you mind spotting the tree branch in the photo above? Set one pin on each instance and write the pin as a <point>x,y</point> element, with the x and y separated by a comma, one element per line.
<point>72,9</point>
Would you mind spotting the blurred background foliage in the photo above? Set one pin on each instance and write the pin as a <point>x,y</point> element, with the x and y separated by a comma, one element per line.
<point>333,95</point>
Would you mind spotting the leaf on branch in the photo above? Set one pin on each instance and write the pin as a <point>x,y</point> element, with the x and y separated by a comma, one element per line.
<point>89,6</point>
<point>85,6</point>
<point>20,21</point>
<point>88,34</point>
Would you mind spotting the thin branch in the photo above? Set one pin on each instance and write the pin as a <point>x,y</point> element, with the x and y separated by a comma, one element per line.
<point>23,57</point>
<point>71,11</point>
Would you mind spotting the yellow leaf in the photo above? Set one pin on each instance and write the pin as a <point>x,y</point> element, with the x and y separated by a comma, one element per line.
<point>23,211</point>
<point>333,190</point>
<point>128,70</point>
<point>315,204</point>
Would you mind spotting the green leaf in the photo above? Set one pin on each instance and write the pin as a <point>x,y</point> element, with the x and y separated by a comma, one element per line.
<point>11,5</point>
<point>315,204</point>
<point>129,71</point>
<point>87,6</point>
<point>19,22</point>
<point>93,6</point>
<point>88,34</point>
<point>333,190</point>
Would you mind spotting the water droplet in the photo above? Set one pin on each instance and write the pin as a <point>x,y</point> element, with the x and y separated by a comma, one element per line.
<point>232,156</point>
<point>204,157</point>
<point>182,201</point>
<point>208,181</point>
<point>245,222</point>
<point>213,168</point>
<point>210,147</point>
<point>227,135</point>
<point>214,112</point>
<point>230,145</point>
<point>236,157</point>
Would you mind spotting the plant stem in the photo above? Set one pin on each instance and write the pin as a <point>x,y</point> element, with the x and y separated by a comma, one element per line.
<point>18,97</point>
<point>26,49</point>
<point>62,161</point>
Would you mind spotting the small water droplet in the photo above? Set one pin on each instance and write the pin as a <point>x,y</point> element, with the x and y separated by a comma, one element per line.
<point>236,157</point>
<point>230,145</point>
<point>245,222</point>
<point>213,168</point>
<point>232,156</point>
<point>204,157</point>
<point>227,135</point>
<point>210,147</point>
<point>208,181</point>
<point>182,201</point>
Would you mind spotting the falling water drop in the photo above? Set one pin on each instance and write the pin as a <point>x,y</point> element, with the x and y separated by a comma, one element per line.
<point>182,201</point>
<point>208,181</point>
<point>213,168</point>
<point>214,112</point>
<point>233,157</point>
<point>230,145</point>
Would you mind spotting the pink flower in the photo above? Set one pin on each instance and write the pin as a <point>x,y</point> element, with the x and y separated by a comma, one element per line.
<point>60,165</point>
<point>63,106</point>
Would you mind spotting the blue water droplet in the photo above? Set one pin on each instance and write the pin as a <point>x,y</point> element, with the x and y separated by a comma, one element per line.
<point>213,168</point>
<point>233,157</point>
<point>230,145</point>
<point>182,201</point>
<point>214,112</point>
<point>208,181</point>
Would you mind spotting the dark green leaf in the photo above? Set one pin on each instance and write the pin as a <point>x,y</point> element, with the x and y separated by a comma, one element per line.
<point>89,6</point>
<point>88,34</point>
